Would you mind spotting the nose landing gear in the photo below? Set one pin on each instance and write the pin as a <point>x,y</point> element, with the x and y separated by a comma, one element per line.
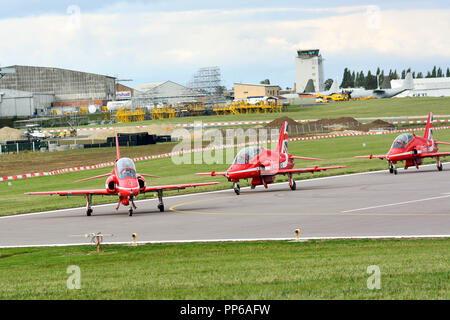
<point>236,188</point>
<point>392,168</point>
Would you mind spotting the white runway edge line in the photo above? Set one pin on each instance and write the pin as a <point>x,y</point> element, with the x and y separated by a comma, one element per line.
<point>396,204</point>
<point>387,237</point>
<point>201,193</point>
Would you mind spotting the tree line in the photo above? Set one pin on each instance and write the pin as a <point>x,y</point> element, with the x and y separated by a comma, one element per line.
<point>352,79</point>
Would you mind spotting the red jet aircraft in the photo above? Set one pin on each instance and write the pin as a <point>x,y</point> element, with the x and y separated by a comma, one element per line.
<point>124,182</point>
<point>413,149</point>
<point>262,165</point>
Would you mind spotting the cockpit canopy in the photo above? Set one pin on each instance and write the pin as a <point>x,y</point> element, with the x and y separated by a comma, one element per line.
<point>125,168</point>
<point>402,140</point>
<point>246,155</point>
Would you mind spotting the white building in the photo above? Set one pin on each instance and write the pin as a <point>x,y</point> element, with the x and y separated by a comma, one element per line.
<point>163,93</point>
<point>308,65</point>
<point>425,87</point>
<point>18,103</point>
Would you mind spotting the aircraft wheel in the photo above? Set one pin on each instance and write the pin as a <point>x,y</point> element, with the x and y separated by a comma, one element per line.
<point>391,170</point>
<point>161,207</point>
<point>293,186</point>
<point>130,212</point>
<point>236,188</point>
<point>440,167</point>
<point>395,171</point>
<point>88,212</point>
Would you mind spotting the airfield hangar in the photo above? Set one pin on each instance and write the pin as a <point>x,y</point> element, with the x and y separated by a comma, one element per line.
<point>38,88</point>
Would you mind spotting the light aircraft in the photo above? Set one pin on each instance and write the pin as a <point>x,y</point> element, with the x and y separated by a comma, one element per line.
<point>262,165</point>
<point>124,182</point>
<point>413,149</point>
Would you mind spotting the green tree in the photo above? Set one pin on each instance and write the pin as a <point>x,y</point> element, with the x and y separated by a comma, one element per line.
<point>433,73</point>
<point>439,73</point>
<point>419,75</point>
<point>328,83</point>
<point>447,74</point>
<point>371,81</point>
<point>266,81</point>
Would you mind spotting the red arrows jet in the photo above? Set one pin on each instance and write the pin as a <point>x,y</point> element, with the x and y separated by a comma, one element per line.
<point>413,149</point>
<point>262,165</point>
<point>124,182</point>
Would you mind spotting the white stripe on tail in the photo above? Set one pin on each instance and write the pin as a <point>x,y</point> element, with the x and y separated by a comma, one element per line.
<point>282,144</point>
<point>428,129</point>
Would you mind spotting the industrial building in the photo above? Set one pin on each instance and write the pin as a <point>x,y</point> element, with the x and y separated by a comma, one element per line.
<point>309,66</point>
<point>163,93</point>
<point>17,103</point>
<point>243,91</point>
<point>425,87</point>
<point>69,88</point>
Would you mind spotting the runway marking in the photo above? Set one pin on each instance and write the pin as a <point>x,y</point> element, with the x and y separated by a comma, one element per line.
<point>396,204</point>
<point>291,239</point>
<point>173,208</point>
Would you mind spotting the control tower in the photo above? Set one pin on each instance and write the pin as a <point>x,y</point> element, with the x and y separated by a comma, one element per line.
<point>308,65</point>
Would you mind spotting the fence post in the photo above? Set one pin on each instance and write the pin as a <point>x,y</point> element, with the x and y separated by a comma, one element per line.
<point>33,146</point>
<point>17,145</point>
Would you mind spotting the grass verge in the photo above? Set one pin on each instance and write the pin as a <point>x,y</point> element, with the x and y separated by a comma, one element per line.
<point>335,269</point>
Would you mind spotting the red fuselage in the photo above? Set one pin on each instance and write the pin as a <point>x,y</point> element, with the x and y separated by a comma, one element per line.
<point>123,180</point>
<point>250,161</point>
<point>409,147</point>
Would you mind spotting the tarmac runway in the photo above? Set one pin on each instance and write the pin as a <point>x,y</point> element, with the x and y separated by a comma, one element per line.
<point>412,203</point>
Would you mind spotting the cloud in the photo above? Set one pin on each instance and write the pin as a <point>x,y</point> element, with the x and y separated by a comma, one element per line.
<point>151,44</point>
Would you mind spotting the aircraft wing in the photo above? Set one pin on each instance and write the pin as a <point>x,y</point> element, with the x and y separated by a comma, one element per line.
<point>372,156</point>
<point>300,170</point>
<point>102,192</point>
<point>177,186</point>
<point>440,142</point>
<point>212,174</point>
<point>434,154</point>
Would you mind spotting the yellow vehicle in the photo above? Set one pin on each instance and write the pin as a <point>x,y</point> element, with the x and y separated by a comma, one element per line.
<point>68,133</point>
<point>332,97</point>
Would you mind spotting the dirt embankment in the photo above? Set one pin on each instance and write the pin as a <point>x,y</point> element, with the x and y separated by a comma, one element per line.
<point>8,134</point>
<point>327,125</point>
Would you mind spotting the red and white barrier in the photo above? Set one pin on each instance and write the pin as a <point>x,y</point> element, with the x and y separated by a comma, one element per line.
<point>170,154</point>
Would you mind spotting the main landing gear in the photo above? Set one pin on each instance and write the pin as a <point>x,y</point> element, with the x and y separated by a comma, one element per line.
<point>292,183</point>
<point>438,164</point>
<point>392,168</point>
<point>88,205</point>
<point>160,204</point>
<point>236,188</point>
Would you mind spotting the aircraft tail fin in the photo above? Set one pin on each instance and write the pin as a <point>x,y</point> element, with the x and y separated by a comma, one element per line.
<point>282,143</point>
<point>408,83</point>
<point>117,148</point>
<point>334,86</point>
<point>428,129</point>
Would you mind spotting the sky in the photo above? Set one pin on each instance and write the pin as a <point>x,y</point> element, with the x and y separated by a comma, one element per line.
<point>148,41</point>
